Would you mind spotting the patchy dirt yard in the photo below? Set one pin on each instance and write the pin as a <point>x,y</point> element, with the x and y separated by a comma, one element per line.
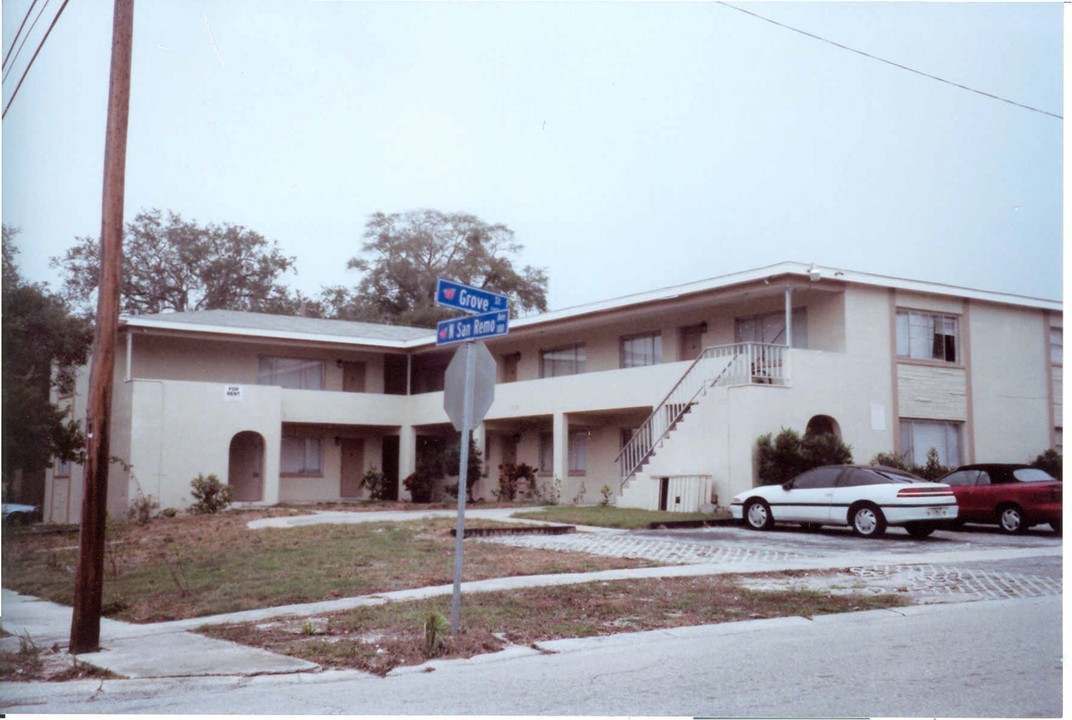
<point>381,638</point>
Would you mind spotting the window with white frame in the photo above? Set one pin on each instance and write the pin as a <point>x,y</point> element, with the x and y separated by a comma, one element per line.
<point>927,336</point>
<point>578,451</point>
<point>300,455</point>
<point>62,468</point>
<point>1057,345</point>
<point>919,436</point>
<point>294,373</point>
<point>769,328</point>
<point>642,350</point>
<point>562,361</point>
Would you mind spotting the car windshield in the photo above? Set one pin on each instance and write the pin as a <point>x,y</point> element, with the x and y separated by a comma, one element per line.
<point>1032,475</point>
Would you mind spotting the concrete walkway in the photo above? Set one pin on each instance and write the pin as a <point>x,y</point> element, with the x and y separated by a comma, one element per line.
<point>169,649</point>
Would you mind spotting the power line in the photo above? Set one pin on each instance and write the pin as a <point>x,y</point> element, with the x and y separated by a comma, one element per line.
<point>36,52</point>
<point>21,26</point>
<point>24,39</point>
<point>890,62</point>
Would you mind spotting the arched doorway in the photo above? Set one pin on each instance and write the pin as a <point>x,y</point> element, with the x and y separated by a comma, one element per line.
<point>822,425</point>
<point>245,467</point>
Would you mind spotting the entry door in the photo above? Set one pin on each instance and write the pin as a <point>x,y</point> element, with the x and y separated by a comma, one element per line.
<point>353,467</point>
<point>691,342</point>
<point>353,377</point>
<point>509,365</point>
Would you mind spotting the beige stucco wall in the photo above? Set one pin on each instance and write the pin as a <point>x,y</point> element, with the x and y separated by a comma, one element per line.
<point>185,429</point>
<point>1010,394</point>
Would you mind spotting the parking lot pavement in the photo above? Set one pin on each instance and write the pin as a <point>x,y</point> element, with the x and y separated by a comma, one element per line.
<point>975,564</point>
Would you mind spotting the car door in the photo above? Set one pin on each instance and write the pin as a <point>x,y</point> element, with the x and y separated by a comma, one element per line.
<point>965,484</point>
<point>808,496</point>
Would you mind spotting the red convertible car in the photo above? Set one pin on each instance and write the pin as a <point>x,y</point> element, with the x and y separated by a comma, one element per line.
<point>1015,497</point>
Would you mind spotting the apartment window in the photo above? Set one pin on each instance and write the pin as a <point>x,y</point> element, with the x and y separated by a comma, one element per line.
<point>300,456</point>
<point>578,447</point>
<point>926,336</point>
<point>296,373</point>
<point>642,350</point>
<point>919,436</point>
<point>562,361</point>
<point>61,468</point>
<point>1057,345</point>
<point>769,328</point>
<point>547,452</point>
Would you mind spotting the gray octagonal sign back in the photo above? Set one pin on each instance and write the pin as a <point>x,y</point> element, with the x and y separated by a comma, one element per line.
<point>483,390</point>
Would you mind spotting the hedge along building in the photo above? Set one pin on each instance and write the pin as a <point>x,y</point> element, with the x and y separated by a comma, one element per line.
<point>658,397</point>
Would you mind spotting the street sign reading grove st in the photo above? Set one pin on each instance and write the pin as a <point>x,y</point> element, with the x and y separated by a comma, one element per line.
<point>473,327</point>
<point>468,298</point>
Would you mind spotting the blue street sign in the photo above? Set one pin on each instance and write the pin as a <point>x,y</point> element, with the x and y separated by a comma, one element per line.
<point>470,299</point>
<point>473,327</point>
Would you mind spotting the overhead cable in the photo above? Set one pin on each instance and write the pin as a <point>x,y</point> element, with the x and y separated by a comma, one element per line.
<point>890,62</point>
<point>36,52</point>
<point>15,39</point>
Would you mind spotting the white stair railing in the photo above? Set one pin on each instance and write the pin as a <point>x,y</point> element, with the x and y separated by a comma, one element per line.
<point>737,364</point>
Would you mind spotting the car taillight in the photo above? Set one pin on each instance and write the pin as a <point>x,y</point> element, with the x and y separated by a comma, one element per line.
<point>925,492</point>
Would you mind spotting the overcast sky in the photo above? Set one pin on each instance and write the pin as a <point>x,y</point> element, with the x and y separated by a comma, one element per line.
<point>629,146</point>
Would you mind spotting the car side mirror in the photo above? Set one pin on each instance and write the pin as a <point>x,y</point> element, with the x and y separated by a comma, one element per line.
<point>787,485</point>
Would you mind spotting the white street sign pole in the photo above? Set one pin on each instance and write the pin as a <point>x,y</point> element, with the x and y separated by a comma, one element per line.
<point>463,489</point>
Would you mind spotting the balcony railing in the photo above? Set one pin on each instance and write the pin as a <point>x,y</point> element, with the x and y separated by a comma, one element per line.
<point>737,364</point>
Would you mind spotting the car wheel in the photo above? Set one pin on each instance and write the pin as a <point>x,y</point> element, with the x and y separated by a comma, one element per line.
<point>758,515</point>
<point>1055,525</point>
<point>868,521</point>
<point>919,531</point>
<point>1011,519</point>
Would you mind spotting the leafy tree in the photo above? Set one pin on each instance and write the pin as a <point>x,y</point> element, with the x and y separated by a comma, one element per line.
<point>39,334</point>
<point>410,250</point>
<point>784,457</point>
<point>173,264</point>
<point>1050,461</point>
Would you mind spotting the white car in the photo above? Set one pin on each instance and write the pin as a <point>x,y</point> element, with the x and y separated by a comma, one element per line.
<point>866,497</point>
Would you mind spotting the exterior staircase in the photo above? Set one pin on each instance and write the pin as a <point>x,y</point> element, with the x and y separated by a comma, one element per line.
<point>736,364</point>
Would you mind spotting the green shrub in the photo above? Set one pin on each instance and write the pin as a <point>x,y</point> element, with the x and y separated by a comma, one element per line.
<point>510,477</point>
<point>420,485</point>
<point>1050,461</point>
<point>210,495</point>
<point>452,466</point>
<point>377,483</point>
<point>141,509</point>
<point>889,459</point>
<point>784,457</point>
<point>436,628</point>
<point>932,469</point>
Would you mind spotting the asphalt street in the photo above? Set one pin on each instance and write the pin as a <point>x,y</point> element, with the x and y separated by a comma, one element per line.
<point>982,659</point>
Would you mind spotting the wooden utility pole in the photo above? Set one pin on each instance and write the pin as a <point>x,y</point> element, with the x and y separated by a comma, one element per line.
<point>89,580</point>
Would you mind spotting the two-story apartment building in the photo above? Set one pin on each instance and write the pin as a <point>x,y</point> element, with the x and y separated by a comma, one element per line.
<point>658,396</point>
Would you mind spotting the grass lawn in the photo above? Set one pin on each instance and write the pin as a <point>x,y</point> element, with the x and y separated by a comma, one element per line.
<point>196,565</point>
